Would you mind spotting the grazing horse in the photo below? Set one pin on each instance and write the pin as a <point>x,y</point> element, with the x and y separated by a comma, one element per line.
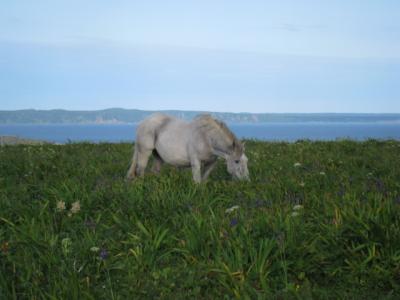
<point>187,144</point>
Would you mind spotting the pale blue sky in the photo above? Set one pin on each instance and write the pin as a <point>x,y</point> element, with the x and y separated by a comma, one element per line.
<point>256,56</point>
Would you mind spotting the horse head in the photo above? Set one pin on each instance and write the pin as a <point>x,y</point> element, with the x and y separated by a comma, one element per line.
<point>236,161</point>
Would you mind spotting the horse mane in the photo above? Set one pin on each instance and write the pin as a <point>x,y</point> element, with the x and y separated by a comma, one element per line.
<point>214,127</point>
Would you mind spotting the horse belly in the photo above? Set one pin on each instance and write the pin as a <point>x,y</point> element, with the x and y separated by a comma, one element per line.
<point>173,152</point>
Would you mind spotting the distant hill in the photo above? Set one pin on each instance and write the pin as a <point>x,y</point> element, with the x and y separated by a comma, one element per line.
<point>121,116</point>
<point>14,140</point>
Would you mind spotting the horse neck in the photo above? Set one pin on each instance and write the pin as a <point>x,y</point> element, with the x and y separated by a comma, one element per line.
<point>219,140</point>
<point>220,144</point>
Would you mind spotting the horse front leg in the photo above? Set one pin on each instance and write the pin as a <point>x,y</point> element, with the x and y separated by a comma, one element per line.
<point>208,168</point>
<point>196,169</point>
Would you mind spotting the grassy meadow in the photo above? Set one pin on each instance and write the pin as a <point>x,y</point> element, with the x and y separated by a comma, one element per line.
<point>318,220</point>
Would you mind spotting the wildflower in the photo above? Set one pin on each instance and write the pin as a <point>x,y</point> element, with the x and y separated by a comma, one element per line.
<point>302,184</point>
<point>297,207</point>
<point>322,173</point>
<point>259,203</point>
<point>103,254</point>
<point>295,214</point>
<point>341,192</point>
<point>234,222</point>
<point>297,165</point>
<point>60,205</point>
<point>76,207</point>
<point>95,249</point>
<point>231,209</point>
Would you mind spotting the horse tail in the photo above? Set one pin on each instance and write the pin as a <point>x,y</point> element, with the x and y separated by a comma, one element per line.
<point>132,170</point>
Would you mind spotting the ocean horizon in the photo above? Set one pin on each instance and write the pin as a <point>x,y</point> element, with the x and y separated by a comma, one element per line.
<point>272,131</point>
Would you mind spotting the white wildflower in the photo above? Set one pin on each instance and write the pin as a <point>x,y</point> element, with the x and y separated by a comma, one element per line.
<point>297,207</point>
<point>95,249</point>
<point>302,184</point>
<point>231,209</point>
<point>60,205</point>
<point>295,214</point>
<point>76,207</point>
<point>322,173</point>
<point>297,165</point>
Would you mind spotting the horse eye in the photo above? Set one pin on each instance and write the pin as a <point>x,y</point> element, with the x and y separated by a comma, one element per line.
<point>237,161</point>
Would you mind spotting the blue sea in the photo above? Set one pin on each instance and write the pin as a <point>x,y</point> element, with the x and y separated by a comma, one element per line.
<point>62,133</point>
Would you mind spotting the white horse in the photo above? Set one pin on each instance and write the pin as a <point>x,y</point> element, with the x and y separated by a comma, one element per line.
<point>183,144</point>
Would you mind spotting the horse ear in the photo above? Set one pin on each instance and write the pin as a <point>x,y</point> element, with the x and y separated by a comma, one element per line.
<point>243,144</point>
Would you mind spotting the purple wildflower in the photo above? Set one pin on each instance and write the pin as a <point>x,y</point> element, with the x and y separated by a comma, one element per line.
<point>103,254</point>
<point>341,191</point>
<point>234,222</point>
<point>380,185</point>
<point>260,203</point>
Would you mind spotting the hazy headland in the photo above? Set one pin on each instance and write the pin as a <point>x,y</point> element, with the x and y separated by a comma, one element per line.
<point>122,116</point>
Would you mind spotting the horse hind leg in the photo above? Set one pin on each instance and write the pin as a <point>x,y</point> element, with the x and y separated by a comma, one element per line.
<point>157,162</point>
<point>142,160</point>
<point>146,146</point>
<point>146,136</point>
<point>132,170</point>
<point>139,162</point>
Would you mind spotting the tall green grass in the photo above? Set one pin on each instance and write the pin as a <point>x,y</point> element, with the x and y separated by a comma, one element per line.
<point>317,220</point>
